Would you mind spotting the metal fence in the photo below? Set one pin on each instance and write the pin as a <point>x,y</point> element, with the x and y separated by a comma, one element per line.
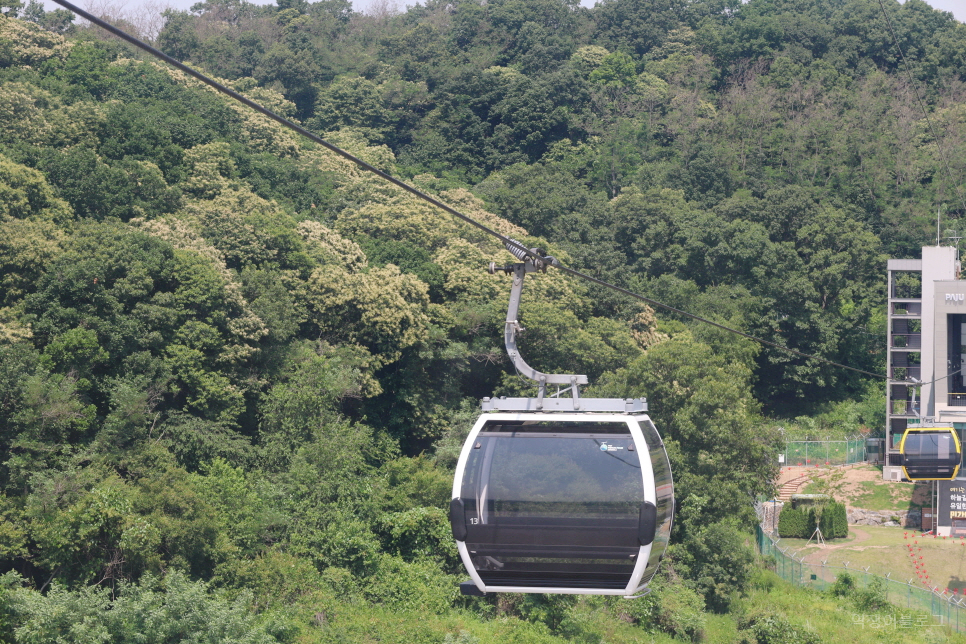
<point>914,598</point>
<point>825,453</point>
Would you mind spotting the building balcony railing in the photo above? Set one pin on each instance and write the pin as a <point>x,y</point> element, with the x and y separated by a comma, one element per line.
<point>913,309</point>
<point>905,373</point>
<point>906,341</point>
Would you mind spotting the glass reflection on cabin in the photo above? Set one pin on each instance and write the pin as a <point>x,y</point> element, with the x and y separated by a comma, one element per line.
<point>930,453</point>
<point>560,504</point>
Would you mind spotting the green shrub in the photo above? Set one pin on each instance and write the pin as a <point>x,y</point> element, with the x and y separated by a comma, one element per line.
<point>840,521</point>
<point>811,522</point>
<point>791,522</point>
<point>419,587</point>
<point>871,598</point>
<point>844,585</point>
<point>825,522</point>
<point>671,607</point>
<point>419,532</point>
<point>775,629</point>
<point>551,610</point>
<point>764,578</point>
<point>158,609</point>
<point>716,561</point>
<point>463,638</point>
<point>680,612</point>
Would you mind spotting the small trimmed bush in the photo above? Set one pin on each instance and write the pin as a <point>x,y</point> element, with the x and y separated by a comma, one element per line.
<point>791,522</point>
<point>834,521</point>
<point>825,523</point>
<point>840,521</point>
<point>811,522</point>
<point>801,524</point>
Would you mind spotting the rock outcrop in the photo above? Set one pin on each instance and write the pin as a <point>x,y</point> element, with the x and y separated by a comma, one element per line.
<point>904,518</point>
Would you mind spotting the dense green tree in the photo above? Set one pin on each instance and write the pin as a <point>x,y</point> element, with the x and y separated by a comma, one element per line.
<point>96,190</point>
<point>702,405</point>
<point>718,561</point>
<point>146,301</point>
<point>227,355</point>
<point>639,25</point>
<point>26,194</point>
<point>171,608</point>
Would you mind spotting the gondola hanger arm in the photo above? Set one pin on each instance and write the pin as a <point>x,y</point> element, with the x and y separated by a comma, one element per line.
<point>534,260</point>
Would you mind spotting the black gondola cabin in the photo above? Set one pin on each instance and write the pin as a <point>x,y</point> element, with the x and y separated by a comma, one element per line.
<point>930,453</point>
<point>555,494</point>
<point>562,503</point>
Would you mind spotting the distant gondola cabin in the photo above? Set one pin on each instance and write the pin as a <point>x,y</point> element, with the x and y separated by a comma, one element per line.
<point>930,453</point>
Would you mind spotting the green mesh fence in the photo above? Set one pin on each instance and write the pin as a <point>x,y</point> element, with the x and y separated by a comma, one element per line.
<point>918,606</point>
<point>824,453</point>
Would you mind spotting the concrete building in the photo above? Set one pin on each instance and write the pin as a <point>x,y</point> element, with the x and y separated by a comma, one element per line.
<point>927,345</point>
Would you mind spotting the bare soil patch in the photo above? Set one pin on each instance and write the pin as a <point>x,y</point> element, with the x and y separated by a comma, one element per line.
<point>861,486</point>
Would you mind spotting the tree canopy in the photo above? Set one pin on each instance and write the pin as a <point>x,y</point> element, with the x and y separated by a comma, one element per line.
<point>234,368</point>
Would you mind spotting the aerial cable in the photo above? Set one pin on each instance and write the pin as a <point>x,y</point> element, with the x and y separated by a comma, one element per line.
<point>698,318</point>
<point>918,383</point>
<point>925,113</point>
<point>157,53</point>
<point>515,247</point>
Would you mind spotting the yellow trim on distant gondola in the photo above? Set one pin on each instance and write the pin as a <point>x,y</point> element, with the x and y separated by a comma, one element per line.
<point>902,450</point>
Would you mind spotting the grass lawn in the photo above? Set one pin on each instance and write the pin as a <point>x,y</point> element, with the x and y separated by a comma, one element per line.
<point>885,551</point>
<point>872,495</point>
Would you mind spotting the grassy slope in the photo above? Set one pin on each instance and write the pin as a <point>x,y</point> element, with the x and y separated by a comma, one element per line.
<point>836,620</point>
<point>872,493</point>
<point>833,619</point>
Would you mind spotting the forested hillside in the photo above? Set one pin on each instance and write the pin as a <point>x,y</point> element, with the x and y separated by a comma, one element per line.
<point>235,370</point>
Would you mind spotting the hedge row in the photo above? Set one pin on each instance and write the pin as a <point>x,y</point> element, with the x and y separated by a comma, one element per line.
<point>796,523</point>
<point>831,519</point>
<point>834,522</point>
